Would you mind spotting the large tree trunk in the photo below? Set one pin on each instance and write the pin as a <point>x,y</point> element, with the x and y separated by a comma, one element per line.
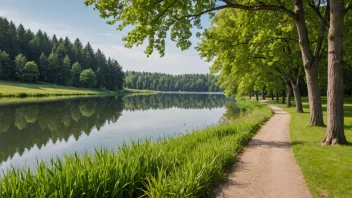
<point>335,128</point>
<point>297,95</point>
<point>310,66</point>
<point>256,95</point>
<point>289,93</point>
<point>250,95</point>
<point>283,96</point>
<point>272,95</point>
<point>277,97</point>
<point>263,94</point>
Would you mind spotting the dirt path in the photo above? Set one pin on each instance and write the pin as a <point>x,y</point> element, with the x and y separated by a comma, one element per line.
<point>267,167</point>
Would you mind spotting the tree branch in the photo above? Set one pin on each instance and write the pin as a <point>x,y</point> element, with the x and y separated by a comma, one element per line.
<point>158,17</point>
<point>203,12</point>
<point>322,31</point>
<point>317,11</point>
<point>261,6</point>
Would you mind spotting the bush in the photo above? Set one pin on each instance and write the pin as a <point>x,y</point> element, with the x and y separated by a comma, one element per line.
<point>31,72</point>
<point>88,78</point>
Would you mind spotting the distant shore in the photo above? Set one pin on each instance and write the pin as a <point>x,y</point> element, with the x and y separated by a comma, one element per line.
<point>22,90</point>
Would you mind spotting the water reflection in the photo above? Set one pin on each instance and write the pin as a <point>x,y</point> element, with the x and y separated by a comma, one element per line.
<point>166,101</point>
<point>27,126</point>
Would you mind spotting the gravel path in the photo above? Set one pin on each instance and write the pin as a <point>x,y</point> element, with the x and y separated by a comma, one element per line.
<point>267,167</point>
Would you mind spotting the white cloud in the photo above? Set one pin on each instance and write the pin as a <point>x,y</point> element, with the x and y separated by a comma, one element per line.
<point>110,35</point>
<point>10,14</point>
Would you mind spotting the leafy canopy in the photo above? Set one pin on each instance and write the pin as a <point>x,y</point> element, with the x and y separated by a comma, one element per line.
<point>249,58</point>
<point>152,20</point>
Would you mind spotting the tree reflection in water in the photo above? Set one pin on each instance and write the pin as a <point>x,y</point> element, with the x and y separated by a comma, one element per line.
<point>24,126</point>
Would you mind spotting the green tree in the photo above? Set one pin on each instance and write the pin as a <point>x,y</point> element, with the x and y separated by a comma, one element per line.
<point>5,66</point>
<point>4,35</point>
<point>64,71</point>
<point>30,49</point>
<point>177,18</point>
<point>20,62</point>
<point>75,74</point>
<point>88,78</point>
<point>53,65</point>
<point>21,39</point>
<point>43,67</point>
<point>139,84</point>
<point>89,61</point>
<point>31,72</point>
<point>55,43</point>
<point>77,51</point>
<point>261,59</point>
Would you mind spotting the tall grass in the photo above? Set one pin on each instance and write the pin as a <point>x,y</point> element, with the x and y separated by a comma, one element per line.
<point>183,166</point>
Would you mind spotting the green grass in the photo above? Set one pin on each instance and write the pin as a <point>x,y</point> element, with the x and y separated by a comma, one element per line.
<point>326,169</point>
<point>16,92</point>
<point>17,89</point>
<point>183,166</point>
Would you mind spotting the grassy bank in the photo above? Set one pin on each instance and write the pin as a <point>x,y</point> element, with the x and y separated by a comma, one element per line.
<point>16,89</point>
<point>327,169</point>
<point>183,166</point>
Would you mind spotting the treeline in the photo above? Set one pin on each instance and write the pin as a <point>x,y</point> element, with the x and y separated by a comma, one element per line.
<point>29,57</point>
<point>168,82</point>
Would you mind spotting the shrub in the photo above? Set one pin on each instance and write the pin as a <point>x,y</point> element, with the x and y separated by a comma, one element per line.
<point>88,78</point>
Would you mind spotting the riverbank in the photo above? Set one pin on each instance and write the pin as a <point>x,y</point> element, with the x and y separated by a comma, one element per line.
<point>326,169</point>
<point>183,166</point>
<point>20,90</point>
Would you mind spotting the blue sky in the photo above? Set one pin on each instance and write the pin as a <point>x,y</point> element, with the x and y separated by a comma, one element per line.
<point>73,19</point>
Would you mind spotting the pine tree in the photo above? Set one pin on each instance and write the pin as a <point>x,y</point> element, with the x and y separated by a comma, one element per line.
<point>30,50</point>
<point>21,39</point>
<point>53,65</point>
<point>89,61</point>
<point>68,47</point>
<point>4,34</point>
<point>43,67</point>
<point>6,71</point>
<point>22,45</point>
<point>65,71</point>
<point>77,51</point>
<point>13,41</point>
<point>55,43</point>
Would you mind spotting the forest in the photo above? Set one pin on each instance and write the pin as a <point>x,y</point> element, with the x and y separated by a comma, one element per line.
<point>168,82</point>
<point>30,57</point>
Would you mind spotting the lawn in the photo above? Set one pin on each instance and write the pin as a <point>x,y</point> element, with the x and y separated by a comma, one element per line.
<point>17,89</point>
<point>23,89</point>
<point>326,169</point>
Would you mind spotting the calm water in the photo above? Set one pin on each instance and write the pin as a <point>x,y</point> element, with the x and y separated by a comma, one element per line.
<point>40,131</point>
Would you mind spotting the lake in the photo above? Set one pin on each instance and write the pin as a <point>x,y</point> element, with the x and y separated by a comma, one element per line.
<point>42,130</point>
